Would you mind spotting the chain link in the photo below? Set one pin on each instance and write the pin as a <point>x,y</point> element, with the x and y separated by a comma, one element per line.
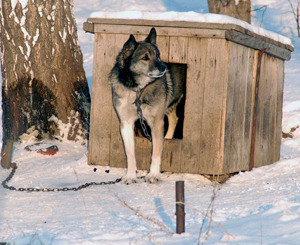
<point>32,189</point>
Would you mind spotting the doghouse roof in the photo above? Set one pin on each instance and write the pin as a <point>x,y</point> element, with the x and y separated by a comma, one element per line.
<point>191,24</point>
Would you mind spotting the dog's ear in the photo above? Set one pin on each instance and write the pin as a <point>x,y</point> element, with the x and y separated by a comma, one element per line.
<point>151,37</point>
<point>129,46</point>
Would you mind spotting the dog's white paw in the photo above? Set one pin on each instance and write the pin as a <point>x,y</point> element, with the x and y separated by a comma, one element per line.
<point>152,178</point>
<point>128,179</point>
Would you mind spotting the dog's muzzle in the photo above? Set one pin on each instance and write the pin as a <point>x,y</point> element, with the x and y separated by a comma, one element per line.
<point>157,75</point>
<point>159,71</point>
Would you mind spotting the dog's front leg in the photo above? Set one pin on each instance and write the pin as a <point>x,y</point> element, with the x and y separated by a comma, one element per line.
<point>157,130</point>
<point>127,133</point>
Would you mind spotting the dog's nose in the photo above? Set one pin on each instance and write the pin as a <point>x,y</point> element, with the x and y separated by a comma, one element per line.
<point>161,65</point>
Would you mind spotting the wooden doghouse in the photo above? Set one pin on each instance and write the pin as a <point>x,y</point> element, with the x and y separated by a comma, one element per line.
<point>234,96</point>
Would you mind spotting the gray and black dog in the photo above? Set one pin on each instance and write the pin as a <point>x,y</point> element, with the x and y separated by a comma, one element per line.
<point>138,69</point>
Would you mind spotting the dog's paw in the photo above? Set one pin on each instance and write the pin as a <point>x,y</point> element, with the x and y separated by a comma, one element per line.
<point>127,180</point>
<point>152,178</point>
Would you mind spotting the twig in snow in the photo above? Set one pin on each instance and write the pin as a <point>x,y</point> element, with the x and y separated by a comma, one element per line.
<point>209,213</point>
<point>213,198</point>
<point>196,211</point>
<point>139,213</point>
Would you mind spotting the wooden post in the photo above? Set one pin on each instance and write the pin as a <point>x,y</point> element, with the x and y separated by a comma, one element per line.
<point>180,214</point>
<point>6,154</point>
<point>253,136</point>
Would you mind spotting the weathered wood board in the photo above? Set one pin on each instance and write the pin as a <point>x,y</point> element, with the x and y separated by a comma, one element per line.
<point>101,109</point>
<point>238,108</point>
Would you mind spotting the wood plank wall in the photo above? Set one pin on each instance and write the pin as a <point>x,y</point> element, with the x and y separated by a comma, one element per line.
<point>269,117</point>
<point>218,108</point>
<point>203,131</point>
<point>100,130</point>
<point>239,108</point>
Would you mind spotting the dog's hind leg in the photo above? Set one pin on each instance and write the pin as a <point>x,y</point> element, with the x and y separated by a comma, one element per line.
<point>157,131</point>
<point>172,119</point>
<point>127,133</point>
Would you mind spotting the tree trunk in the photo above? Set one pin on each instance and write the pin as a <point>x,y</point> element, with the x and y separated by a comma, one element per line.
<point>44,87</point>
<point>240,9</point>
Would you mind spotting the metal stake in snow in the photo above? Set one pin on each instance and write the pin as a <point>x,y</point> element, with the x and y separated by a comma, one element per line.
<point>180,214</point>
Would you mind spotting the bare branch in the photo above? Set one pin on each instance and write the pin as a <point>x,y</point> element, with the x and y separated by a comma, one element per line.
<point>264,9</point>
<point>257,9</point>
<point>209,212</point>
<point>293,10</point>
<point>140,214</point>
<point>296,14</point>
<point>298,18</point>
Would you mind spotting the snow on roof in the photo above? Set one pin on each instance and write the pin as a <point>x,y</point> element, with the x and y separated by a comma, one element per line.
<point>191,16</point>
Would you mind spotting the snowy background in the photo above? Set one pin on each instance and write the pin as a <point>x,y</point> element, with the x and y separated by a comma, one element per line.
<point>257,207</point>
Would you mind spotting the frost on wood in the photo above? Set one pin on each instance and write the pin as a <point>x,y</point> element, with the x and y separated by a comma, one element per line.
<point>40,43</point>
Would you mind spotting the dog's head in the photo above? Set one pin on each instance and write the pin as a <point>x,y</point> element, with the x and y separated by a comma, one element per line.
<point>143,58</point>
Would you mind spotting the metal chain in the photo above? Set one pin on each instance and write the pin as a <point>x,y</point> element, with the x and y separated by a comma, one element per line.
<point>33,189</point>
<point>138,104</point>
<point>83,186</point>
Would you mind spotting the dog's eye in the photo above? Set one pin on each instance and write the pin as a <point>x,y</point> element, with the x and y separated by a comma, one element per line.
<point>145,57</point>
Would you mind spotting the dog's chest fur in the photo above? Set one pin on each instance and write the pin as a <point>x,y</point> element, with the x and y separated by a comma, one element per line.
<point>153,99</point>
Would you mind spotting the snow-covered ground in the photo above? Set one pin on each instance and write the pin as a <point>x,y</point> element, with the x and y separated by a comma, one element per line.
<point>261,206</point>
<point>257,207</point>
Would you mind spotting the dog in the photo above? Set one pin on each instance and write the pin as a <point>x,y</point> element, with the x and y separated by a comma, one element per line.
<point>140,75</point>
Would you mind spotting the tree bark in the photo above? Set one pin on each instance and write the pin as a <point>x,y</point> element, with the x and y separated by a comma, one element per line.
<point>44,85</point>
<point>240,9</point>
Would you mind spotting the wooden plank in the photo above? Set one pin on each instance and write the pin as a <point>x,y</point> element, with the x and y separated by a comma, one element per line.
<point>279,104</point>
<point>229,116</point>
<point>253,113</point>
<point>213,116</point>
<point>258,154</point>
<point>250,96</point>
<point>178,50</point>
<point>163,23</point>
<point>237,134</point>
<point>88,27</point>
<point>267,116</point>
<point>162,31</point>
<point>163,43</point>
<point>184,25</point>
<point>143,153</point>
<point>202,144</point>
<point>191,142</point>
<point>140,37</point>
<point>238,109</point>
<point>268,98</point>
<point>101,108</point>
<point>171,159</point>
<point>257,43</point>
<point>273,75</point>
<point>117,153</point>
